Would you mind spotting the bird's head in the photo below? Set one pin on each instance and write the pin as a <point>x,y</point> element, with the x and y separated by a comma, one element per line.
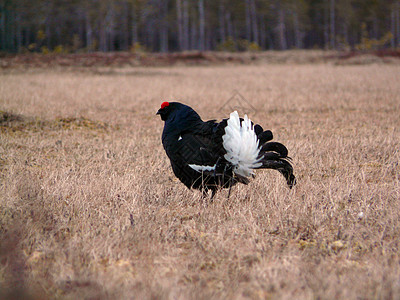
<point>165,110</point>
<point>175,110</point>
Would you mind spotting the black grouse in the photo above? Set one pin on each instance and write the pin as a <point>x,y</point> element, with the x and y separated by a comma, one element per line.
<point>209,155</point>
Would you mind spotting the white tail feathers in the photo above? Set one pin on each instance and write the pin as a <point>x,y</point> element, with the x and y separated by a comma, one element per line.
<point>200,169</point>
<point>241,145</point>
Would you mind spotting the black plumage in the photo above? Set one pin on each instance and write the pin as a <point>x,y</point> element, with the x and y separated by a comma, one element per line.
<point>191,144</point>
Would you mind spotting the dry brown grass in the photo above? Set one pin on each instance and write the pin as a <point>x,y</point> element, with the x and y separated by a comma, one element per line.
<point>89,207</point>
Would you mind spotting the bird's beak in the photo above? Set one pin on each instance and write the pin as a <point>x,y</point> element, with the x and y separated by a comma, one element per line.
<point>158,112</point>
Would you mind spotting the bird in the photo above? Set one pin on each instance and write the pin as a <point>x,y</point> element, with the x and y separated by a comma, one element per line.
<point>211,155</point>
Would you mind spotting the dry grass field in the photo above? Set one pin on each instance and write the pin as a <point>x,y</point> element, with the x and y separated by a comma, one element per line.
<point>90,208</point>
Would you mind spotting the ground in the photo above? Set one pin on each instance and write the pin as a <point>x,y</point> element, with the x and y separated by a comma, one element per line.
<point>90,208</point>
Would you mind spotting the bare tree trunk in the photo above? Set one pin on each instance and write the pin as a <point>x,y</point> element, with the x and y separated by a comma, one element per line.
<point>375,27</point>
<point>281,30</point>
<point>326,26</point>
<point>27,34</point>
<point>345,33</point>
<point>3,27</point>
<point>18,31</point>
<point>270,39</point>
<point>125,29</point>
<point>254,21</point>
<point>221,18</point>
<point>263,33</point>
<point>48,31</point>
<point>208,40</point>
<point>248,20</point>
<point>89,31</point>
<point>102,37</point>
<point>201,25</point>
<point>332,24</point>
<point>393,28</point>
<point>180,23</point>
<point>110,28</point>
<point>12,32</point>
<point>103,44</point>
<point>164,26</point>
<point>398,23</point>
<point>194,41</point>
<point>298,35</point>
<point>185,25</point>
<point>82,26</point>
<point>134,27</point>
<point>228,20</point>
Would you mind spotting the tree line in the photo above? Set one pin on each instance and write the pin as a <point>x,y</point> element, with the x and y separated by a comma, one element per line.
<point>179,25</point>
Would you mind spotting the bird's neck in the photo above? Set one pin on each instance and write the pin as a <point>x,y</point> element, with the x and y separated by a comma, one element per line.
<point>179,123</point>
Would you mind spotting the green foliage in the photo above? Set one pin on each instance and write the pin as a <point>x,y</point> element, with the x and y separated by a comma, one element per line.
<point>342,43</point>
<point>138,48</point>
<point>40,35</point>
<point>367,43</point>
<point>59,49</point>
<point>32,47</point>
<point>228,45</point>
<point>76,43</point>
<point>254,47</point>
<point>44,50</point>
<point>231,45</point>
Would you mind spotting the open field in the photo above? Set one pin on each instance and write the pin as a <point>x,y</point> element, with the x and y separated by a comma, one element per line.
<point>90,209</point>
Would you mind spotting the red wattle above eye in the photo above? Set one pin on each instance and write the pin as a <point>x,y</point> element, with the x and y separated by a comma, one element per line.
<point>164,104</point>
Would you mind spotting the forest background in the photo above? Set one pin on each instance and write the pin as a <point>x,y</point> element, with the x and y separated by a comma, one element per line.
<point>60,26</point>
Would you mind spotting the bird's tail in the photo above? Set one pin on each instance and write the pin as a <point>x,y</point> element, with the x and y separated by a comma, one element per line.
<point>274,155</point>
<point>248,147</point>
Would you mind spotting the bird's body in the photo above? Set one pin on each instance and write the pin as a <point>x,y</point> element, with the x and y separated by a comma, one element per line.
<point>209,155</point>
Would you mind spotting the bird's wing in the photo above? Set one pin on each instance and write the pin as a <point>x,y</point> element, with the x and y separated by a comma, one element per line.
<point>198,145</point>
<point>196,149</point>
